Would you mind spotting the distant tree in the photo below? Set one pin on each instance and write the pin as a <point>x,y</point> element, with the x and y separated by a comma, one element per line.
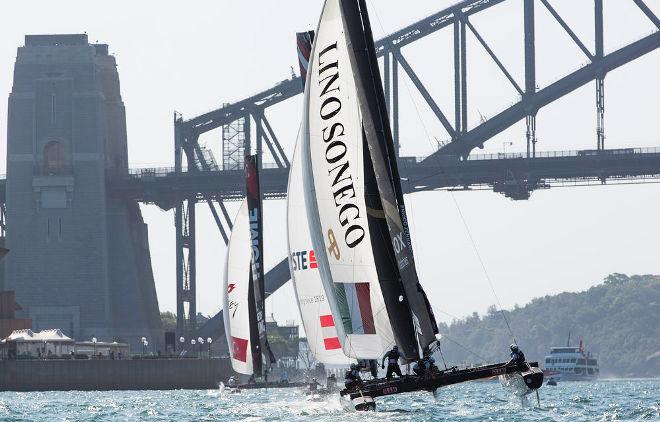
<point>305,356</point>
<point>618,320</point>
<point>168,320</point>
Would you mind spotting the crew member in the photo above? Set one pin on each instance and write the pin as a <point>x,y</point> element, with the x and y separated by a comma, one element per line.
<point>352,378</point>
<point>284,379</point>
<point>251,380</point>
<point>392,362</point>
<point>418,367</point>
<point>331,382</point>
<point>517,355</point>
<point>313,385</point>
<point>231,383</point>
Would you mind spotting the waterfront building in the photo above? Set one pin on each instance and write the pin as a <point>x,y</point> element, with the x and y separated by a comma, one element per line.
<point>39,344</point>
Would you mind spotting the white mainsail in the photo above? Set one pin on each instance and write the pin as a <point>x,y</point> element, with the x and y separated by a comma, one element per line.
<point>314,308</point>
<point>236,294</point>
<point>333,180</point>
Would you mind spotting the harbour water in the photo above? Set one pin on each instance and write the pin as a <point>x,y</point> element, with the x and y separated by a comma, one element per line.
<point>569,401</point>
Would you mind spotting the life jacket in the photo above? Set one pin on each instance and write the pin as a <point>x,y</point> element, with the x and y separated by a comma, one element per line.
<point>353,374</point>
<point>393,357</point>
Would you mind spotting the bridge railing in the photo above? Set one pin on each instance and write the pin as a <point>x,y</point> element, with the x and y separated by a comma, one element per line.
<point>619,152</point>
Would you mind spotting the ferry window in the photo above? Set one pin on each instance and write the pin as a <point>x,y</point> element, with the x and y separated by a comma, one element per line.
<point>572,360</point>
<point>548,360</point>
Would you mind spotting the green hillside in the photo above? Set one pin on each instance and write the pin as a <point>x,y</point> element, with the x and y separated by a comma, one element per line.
<point>619,321</point>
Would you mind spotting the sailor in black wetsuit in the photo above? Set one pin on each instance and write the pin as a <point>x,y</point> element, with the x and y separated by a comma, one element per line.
<point>313,386</point>
<point>352,378</point>
<point>392,362</point>
<point>517,356</point>
<point>331,382</point>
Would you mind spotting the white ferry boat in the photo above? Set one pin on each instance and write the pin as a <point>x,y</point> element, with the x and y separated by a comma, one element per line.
<point>571,364</point>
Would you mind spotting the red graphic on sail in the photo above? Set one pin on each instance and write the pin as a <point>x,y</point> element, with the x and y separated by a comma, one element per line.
<point>231,287</point>
<point>312,260</point>
<point>251,176</point>
<point>239,348</point>
<point>330,339</point>
<point>364,302</point>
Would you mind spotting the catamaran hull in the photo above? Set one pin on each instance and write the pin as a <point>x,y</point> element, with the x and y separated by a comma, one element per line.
<point>523,383</point>
<point>408,383</point>
<point>364,403</point>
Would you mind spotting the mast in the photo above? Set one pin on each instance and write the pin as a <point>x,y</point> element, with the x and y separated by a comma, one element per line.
<point>381,147</point>
<point>255,214</point>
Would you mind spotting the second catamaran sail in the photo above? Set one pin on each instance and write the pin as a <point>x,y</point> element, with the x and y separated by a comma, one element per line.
<point>237,296</point>
<point>244,293</point>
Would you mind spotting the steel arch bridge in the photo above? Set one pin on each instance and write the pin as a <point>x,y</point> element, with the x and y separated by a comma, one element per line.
<point>244,125</point>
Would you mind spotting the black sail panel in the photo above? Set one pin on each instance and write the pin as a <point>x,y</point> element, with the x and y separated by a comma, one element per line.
<point>379,138</point>
<point>257,360</point>
<point>388,274</point>
<point>255,215</point>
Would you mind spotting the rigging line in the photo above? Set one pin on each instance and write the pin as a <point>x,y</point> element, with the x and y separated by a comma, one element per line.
<point>465,348</point>
<point>483,267</point>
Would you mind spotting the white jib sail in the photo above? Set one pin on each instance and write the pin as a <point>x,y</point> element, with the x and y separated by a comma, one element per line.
<point>314,308</point>
<point>236,289</point>
<point>333,165</point>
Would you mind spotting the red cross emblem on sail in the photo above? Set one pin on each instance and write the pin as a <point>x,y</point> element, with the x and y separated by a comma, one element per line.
<point>329,332</point>
<point>239,348</point>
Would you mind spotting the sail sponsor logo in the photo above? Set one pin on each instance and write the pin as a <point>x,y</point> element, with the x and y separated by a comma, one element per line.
<point>304,260</point>
<point>334,247</point>
<point>254,236</point>
<point>398,243</point>
<point>231,287</point>
<point>312,299</point>
<point>333,134</point>
<point>233,307</point>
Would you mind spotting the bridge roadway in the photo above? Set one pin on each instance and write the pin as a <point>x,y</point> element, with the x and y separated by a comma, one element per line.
<point>512,175</point>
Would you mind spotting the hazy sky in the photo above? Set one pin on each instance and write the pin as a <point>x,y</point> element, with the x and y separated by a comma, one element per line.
<point>194,56</point>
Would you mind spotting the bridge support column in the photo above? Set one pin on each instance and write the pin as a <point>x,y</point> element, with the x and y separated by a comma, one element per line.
<point>600,113</point>
<point>600,80</point>
<point>184,222</point>
<point>186,269</point>
<point>530,75</point>
<point>531,135</point>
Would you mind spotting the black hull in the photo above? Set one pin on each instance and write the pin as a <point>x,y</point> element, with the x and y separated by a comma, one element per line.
<point>409,383</point>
